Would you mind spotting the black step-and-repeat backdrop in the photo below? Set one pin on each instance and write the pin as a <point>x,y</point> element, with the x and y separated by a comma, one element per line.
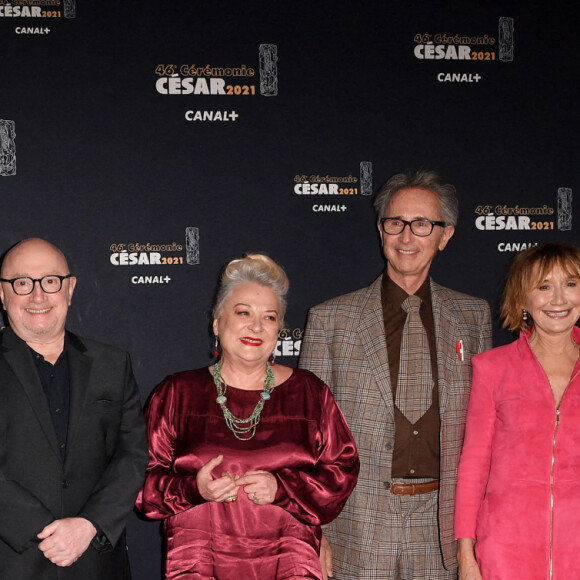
<point>154,141</point>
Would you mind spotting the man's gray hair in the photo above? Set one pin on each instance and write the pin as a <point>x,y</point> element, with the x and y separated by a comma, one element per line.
<point>421,179</point>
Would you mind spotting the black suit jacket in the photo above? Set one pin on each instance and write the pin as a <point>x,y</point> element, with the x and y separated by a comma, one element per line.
<point>105,461</point>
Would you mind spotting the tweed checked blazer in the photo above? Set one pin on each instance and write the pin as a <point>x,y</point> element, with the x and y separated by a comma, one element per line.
<point>344,344</point>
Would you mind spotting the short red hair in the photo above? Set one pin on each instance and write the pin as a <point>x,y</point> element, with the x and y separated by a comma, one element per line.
<point>528,269</point>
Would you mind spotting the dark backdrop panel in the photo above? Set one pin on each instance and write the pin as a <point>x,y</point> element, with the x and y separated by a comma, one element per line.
<point>96,158</point>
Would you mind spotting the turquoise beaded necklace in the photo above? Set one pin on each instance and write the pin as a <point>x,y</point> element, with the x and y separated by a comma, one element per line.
<point>243,429</point>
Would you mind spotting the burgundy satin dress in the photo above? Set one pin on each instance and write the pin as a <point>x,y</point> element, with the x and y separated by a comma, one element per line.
<point>302,439</point>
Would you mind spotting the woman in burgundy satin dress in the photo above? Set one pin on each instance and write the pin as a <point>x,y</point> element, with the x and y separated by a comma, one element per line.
<point>247,458</point>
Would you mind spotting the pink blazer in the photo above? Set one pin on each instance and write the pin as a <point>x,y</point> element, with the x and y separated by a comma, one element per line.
<point>518,487</point>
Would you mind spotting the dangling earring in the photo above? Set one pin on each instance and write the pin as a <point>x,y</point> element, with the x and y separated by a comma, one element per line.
<point>273,361</point>
<point>524,315</point>
<point>216,352</point>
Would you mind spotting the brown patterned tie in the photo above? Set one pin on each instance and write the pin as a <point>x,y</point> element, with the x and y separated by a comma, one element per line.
<point>415,383</point>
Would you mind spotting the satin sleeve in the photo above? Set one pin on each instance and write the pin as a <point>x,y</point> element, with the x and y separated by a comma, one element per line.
<point>474,465</point>
<point>165,492</point>
<point>317,495</point>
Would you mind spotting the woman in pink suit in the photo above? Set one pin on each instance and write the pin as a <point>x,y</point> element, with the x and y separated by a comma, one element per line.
<point>518,489</point>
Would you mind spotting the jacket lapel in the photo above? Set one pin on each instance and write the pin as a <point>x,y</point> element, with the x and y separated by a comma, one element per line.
<point>19,358</point>
<point>372,333</point>
<point>446,335</point>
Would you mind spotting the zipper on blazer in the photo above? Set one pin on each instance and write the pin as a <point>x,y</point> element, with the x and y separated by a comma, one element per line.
<point>557,424</point>
<point>551,562</point>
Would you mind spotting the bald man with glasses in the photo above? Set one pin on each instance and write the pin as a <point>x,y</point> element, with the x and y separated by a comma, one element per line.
<point>73,448</point>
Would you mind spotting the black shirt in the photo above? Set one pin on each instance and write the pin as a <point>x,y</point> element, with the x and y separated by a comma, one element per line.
<point>55,381</point>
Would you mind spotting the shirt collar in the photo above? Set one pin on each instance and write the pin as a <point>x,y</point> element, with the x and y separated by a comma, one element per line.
<point>395,295</point>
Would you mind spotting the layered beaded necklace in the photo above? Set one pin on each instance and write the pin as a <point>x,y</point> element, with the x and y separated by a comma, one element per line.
<point>243,429</point>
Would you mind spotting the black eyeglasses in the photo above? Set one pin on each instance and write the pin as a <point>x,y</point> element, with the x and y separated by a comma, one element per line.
<point>25,285</point>
<point>420,227</point>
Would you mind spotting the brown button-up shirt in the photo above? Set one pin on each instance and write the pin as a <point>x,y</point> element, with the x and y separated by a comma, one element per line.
<point>416,450</point>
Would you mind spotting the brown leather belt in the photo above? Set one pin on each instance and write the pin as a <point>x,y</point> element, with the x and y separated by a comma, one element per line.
<point>402,488</point>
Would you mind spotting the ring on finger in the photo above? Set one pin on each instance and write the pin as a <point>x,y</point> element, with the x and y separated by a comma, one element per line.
<point>231,499</point>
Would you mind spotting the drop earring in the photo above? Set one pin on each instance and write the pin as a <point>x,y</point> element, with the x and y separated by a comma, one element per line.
<point>524,315</point>
<point>216,352</point>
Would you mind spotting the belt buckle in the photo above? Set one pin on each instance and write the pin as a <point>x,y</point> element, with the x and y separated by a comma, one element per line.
<point>398,484</point>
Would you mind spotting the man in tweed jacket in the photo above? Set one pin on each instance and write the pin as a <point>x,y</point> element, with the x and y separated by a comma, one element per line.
<point>399,525</point>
